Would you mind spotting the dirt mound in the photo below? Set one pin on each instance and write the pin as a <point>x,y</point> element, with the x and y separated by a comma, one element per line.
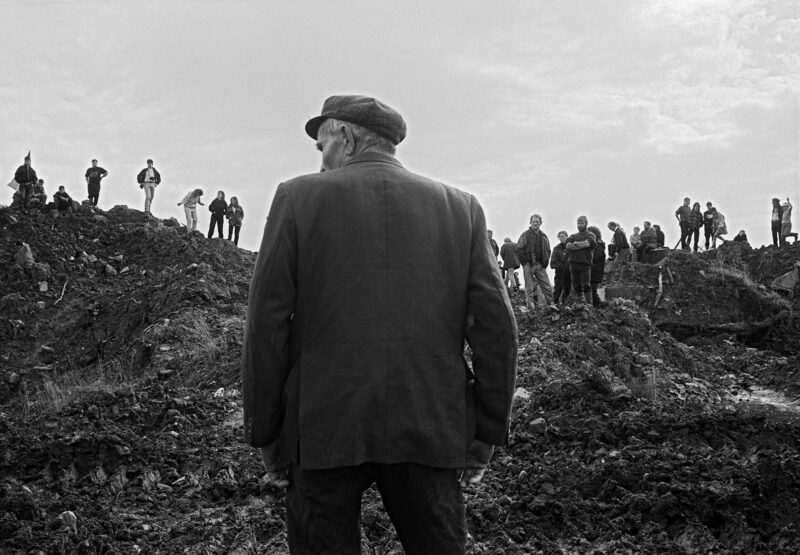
<point>120,422</point>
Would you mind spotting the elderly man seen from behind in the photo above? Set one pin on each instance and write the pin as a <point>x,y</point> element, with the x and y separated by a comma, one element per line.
<point>353,368</point>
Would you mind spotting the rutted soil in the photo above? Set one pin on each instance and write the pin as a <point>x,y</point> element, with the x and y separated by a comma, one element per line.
<point>623,440</point>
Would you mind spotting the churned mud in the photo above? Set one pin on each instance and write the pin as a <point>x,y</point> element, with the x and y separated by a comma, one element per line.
<point>640,427</point>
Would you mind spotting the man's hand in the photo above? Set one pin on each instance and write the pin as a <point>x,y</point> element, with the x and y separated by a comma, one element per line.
<point>478,457</point>
<point>275,465</point>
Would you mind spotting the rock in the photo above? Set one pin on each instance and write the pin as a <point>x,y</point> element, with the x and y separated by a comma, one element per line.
<point>43,287</point>
<point>125,270</point>
<point>537,426</point>
<point>110,271</point>
<point>644,358</point>
<point>24,256</point>
<point>100,218</point>
<point>13,378</point>
<point>521,396</point>
<point>40,305</point>
<point>190,269</point>
<point>523,475</point>
<point>504,500</point>
<point>66,521</point>
<point>220,392</point>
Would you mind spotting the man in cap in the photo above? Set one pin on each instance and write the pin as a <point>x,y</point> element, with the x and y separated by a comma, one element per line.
<point>353,368</point>
<point>94,175</point>
<point>148,180</point>
<point>26,177</point>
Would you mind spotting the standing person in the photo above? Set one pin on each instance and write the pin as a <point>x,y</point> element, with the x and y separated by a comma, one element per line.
<point>218,209</point>
<point>659,236</point>
<point>581,251</point>
<point>352,367</point>
<point>94,175</point>
<point>777,219</point>
<point>495,248</point>
<point>508,253</point>
<point>720,228</point>
<point>622,248</point>
<point>535,248</point>
<point>695,223</point>
<point>635,241</point>
<point>235,215</point>
<point>62,199</point>
<point>25,176</point>
<point>148,180</point>
<point>190,202</point>
<point>559,261</point>
<point>682,215</point>
<point>598,264</point>
<point>708,222</point>
<point>786,220</point>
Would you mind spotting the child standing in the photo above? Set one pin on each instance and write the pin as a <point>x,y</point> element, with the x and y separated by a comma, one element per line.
<point>235,216</point>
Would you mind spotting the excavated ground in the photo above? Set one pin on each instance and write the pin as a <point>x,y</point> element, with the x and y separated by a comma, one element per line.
<point>121,405</point>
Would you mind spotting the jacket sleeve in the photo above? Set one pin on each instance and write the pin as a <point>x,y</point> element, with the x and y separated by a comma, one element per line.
<point>492,335</point>
<point>555,263</point>
<point>156,176</point>
<point>270,306</point>
<point>140,177</point>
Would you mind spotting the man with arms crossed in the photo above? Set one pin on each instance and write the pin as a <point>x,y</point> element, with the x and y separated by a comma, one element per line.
<point>353,370</point>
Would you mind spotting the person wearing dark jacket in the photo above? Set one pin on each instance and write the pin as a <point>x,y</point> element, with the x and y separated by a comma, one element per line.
<point>235,215</point>
<point>682,215</point>
<point>148,179</point>
<point>353,368</point>
<point>508,253</point>
<point>622,248</point>
<point>660,240</point>
<point>533,250</point>
<point>495,248</point>
<point>559,262</point>
<point>62,199</point>
<point>26,177</point>
<point>741,237</point>
<point>777,217</point>
<point>695,223</point>
<point>218,209</point>
<point>598,264</point>
<point>708,223</point>
<point>581,246</point>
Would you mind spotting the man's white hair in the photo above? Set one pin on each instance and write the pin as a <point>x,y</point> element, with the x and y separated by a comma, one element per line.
<point>366,140</point>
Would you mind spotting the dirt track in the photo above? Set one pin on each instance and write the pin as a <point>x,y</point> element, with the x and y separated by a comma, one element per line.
<point>130,417</point>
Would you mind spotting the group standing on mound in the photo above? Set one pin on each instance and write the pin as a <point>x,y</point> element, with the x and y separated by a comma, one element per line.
<point>30,193</point>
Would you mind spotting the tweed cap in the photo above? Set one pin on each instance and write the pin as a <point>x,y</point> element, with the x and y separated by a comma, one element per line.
<point>365,111</point>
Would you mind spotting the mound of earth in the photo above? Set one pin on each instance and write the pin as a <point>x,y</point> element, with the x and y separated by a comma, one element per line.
<point>120,422</point>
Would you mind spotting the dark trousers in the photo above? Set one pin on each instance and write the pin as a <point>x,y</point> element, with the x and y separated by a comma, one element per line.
<point>595,295</point>
<point>94,194</point>
<point>216,219</point>
<point>234,230</point>
<point>776,233</point>
<point>26,192</point>
<point>694,234</point>
<point>561,285</point>
<point>686,234</point>
<point>581,274</point>
<point>709,231</point>
<point>323,508</point>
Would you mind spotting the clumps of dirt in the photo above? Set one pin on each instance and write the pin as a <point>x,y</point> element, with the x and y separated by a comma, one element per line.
<point>121,423</point>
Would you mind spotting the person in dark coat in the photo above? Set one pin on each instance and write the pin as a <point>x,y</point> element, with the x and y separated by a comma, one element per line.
<point>695,223</point>
<point>495,248</point>
<point>508,253</point>
<point>741,237</point>
<point>235,215</point>
<point>62,199</point>
<point>353,369</point>
<point>659,236</point>
<point>26,177</point>
<point>218,209</point>
<point>598,264</point>
<point>580,247</point>
<point>708,223</point>
<point>559,261</point>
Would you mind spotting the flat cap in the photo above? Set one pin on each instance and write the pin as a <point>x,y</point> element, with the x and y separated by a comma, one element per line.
<point>365,111</point>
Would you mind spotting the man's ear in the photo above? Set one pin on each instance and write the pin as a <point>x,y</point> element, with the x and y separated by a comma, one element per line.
<point>350,147</point>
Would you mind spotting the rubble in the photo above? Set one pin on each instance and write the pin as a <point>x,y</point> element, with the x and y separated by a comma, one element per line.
<point>634,428</point>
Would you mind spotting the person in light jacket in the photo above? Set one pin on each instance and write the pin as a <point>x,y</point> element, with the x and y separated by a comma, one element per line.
<point>190,202</point>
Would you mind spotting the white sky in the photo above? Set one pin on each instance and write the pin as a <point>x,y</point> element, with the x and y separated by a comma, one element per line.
<point>615,109</point>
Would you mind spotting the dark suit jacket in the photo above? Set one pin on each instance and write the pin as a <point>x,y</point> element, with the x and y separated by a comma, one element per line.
<point>368,282</point>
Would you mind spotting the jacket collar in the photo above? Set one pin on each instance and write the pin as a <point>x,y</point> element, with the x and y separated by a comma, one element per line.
<point>374,157</point>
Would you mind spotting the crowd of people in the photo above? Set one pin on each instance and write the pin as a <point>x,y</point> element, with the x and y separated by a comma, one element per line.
<point>30,193</point>
<point>579,259</point>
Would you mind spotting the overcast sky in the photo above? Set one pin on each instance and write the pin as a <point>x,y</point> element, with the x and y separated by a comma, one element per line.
<point>613,109</point>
